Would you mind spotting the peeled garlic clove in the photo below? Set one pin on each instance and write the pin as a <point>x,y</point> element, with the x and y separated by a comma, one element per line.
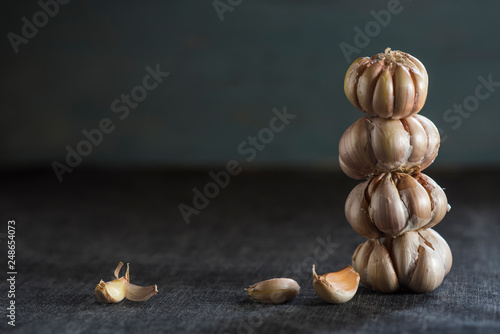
<point>337,287</point>
<point>110,292</point>
<point>273,291</point>
<point>120,288</point>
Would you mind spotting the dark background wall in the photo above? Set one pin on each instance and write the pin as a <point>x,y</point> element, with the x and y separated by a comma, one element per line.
<point>227,76</point>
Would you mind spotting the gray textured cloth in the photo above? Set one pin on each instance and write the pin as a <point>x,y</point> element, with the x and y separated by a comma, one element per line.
<point>263,225</point>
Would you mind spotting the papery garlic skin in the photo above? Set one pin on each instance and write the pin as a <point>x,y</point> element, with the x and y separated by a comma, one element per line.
<point>115,291</point>
<point>388,85</point>
<point>393,203</point>
<point>417,260</point>
<point>337,287</point>
<point>374,145</point>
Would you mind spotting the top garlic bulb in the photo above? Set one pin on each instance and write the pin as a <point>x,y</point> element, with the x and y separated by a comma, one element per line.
<point>388,85</point>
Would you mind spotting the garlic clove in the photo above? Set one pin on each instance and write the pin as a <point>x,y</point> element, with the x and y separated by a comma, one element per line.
<point>360,260</point>
<point>355,152</point>
<point>433,138</point>
<point>351,80</point>
<point>404,253</point>
<point>380,270</point>
<point>440,246</point>
<point>421,259</point>
<point>386,210</point>
<point>429,271</point>
<point>374,265</point>
<point>110,292</point>
<point>366,86</point>
<point>337,287</point>
<point>356,212</point>
<point>416,200</point>
<point>273,291</point>
<point>439,202</point>
<point>404,94</point>
<point>390,143</point>
<point>419,142</point>
<point>120,288</point>
<point>383,96</point>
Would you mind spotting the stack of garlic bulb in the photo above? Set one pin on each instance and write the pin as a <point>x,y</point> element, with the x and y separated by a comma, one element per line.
<point>396,206</point>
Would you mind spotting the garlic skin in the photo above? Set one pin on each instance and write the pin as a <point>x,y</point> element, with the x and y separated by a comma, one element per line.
<point>375,145</point>
<point>337,287</point>
<point>273,291</point>
<point>392,84</point>
<point>391,204</point>
<point>115,291</point>
<point>417,260</point>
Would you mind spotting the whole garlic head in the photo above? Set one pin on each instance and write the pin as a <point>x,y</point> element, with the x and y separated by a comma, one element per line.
<point>375,145</point>
<point>388,85</point>
<point>393,203</point>
<point>418,260</point>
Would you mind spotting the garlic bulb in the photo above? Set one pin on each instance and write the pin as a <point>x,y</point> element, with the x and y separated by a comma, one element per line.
<point>388,85</point>
<point>375,145</point>
<point>393,203</point>
<point>418,260</point>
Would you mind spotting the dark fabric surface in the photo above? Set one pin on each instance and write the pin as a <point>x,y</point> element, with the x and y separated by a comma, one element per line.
<point>263,225</point>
